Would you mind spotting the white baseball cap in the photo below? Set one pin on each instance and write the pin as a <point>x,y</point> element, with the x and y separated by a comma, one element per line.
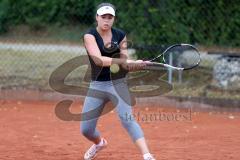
<point>106,10</point>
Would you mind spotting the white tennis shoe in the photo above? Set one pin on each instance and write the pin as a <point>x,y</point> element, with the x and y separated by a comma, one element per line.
<point>148,156</point>
<point>94,149</point>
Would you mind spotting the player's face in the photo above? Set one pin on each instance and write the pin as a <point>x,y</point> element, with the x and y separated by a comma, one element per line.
<point>105,21</point>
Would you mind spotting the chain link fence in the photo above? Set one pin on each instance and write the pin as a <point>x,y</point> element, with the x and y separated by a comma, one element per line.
<point>30,50</point>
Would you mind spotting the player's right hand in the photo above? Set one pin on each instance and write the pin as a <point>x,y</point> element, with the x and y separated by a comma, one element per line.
<point>133,65</point>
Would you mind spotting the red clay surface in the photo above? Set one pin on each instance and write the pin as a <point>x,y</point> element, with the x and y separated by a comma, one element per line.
<point>31,131</point>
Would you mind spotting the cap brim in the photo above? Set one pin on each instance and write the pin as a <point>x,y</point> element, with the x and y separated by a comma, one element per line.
<point>106,10</point>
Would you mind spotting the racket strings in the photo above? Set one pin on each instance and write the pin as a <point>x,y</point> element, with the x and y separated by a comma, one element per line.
<point>182,56</point>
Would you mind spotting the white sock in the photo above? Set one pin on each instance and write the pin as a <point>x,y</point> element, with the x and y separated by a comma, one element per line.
<point>100,143</point>
<point>146,155</point>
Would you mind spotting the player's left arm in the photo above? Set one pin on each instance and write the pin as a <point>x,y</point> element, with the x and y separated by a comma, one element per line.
<point>124,52</point>
<point>130,65</point>
<point>123,49</point>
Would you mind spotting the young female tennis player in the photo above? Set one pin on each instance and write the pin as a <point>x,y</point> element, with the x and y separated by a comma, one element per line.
<point>101,59</point>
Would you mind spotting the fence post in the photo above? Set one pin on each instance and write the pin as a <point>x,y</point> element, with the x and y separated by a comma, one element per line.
<point>170,69</point>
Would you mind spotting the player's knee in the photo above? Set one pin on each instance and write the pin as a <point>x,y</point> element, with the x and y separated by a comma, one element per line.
<point>87,132</point>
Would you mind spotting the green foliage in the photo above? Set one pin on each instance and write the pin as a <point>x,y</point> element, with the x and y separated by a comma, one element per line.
<point>165,22</point>
<point>193,22</point>
<point>149,22</point>
<point>4,10</point>
<point>38,14</point>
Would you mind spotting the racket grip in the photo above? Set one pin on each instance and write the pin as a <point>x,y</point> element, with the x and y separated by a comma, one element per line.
<point>154,66</point>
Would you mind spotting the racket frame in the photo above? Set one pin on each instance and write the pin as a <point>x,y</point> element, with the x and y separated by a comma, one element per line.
<point>154,65</point>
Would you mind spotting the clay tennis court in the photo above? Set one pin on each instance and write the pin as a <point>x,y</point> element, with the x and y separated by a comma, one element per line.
<point>30,130</point>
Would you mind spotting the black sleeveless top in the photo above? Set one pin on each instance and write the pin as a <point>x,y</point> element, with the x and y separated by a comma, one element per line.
<point>103,73</point>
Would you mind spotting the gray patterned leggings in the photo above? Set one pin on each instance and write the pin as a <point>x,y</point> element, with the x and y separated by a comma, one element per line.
<point>119,95</point>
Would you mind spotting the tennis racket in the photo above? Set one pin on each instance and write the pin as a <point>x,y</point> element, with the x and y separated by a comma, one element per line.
<point>176,57</point>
